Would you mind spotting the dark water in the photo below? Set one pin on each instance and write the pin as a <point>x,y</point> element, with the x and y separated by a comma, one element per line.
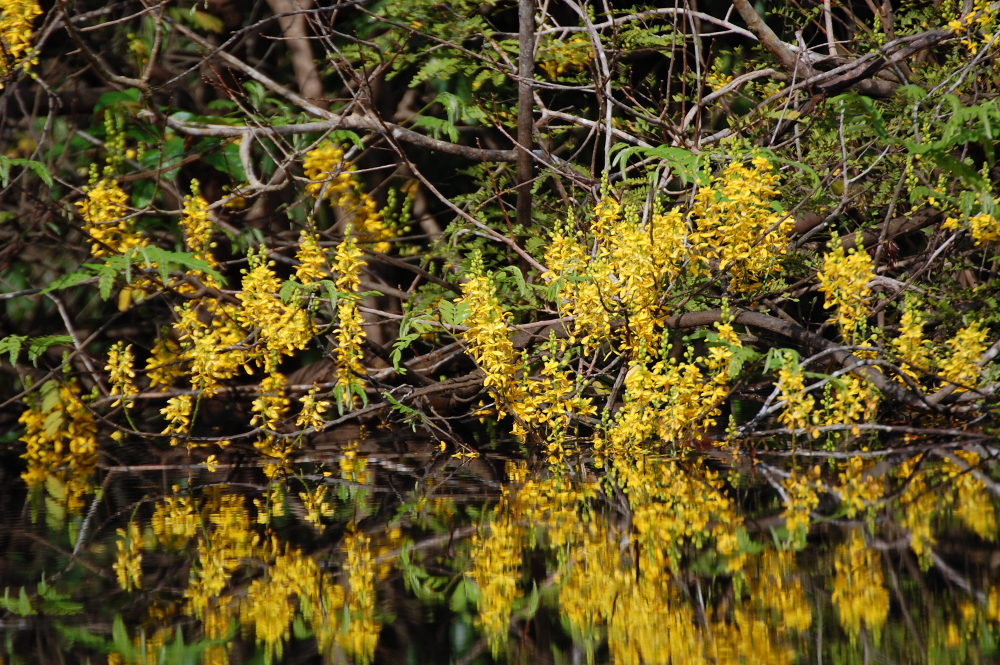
<point>405,553</point>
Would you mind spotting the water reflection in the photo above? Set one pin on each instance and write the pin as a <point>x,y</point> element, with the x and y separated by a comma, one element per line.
<point>710,557</point>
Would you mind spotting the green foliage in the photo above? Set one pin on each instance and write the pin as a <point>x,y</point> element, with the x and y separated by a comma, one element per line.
<point>36,346</point>
<point>160,261</point>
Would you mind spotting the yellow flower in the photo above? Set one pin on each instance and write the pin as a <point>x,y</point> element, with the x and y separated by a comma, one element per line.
<point>105,219</point>
<point>316,505</point>
<point>128,559</point>
<point>283,328</point>
<point>737,229</point>
<point>312,411</point>
<point>859,592</point>
<point>174,520</point>
<point>197,227</point>
<point>495,570</point>
<point>177,413</point>
<point>361,636</point>
<point>60,438</point>
<point>844,282</point>
<point>16,19</point>
<point>960,368</point>
<point>312,260</point>
<point>331,177</point>
<point>909,344</point>
<point>271,404</point>
<point>121,373</point>
<point>800,406</point>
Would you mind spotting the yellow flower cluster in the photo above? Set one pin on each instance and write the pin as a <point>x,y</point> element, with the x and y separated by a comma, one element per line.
<point>164,365</point>
<point>487,337</point>
<point>177,413</point>
<point>716,79</point>
<point>496,566</point>
<point>633,263</point>
<point>974,502</point>
<point>269,606</point>
<point>909,344</point>
<point>579,295</point>
<point>978,25</point>
<point>269,408</point>
<point>16,19</point>
<point>777,590</point>
<point>585,581</point>
<point>128,557</point>
<point>222,547</point>
<point>668,402</point>
<point>361,635</point>
<point>627,594</point>
<point>860,489</point>
<point>312,260</point>
<point>333,178</point>
<point>60,441</point>
<point>672,505</point>
<point>859,592</point>
<point>121,373</point>
<point>984,227</point>
<point>802,490</point>
<point>292,584</point>
<point>354,467</point>
<point>175,521</point>
<point>560,57</point>
<point>967,347</point>
<point>844,282</point>
<point>636,258</point>
<point>271,404</point>
<point>283,328</point>
<point>736,227</point>
<point>316,505</point>
<point>312,411</point>
<point>272,504</point>
<point>349,350</point>
<point>800,406</point>
<point>196,224</point>
<point>106,221</point>
<point>919,505</point>
<point>850,400</point>
<point>210,343</point>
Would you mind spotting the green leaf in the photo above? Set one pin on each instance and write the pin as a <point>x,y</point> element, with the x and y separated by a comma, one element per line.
<point>12,346</point>
<point>39,345</point>
<point>205,21</point>
<point>21,606</point>
<point>437,68</point>
<point>533,601</point>
<point>226,159</point>
<point>105,282</point>
<point>403,342</point>
<point>436,127</point>
<point>121,641</point>
<point>39,169</point>
<point>459,597</point>
<point>289,289</point>
<point>345,135</point>
<point>688,166</point>
<point>82,635</point>
<point>453,314</point>
<point>127,98</point>
<point>72,279</point>
<point>518,276</point>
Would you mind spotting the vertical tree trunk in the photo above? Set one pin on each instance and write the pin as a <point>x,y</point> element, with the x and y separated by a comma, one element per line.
<point>525,103</point>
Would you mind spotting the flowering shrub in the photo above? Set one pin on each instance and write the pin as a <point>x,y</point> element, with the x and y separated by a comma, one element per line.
<point>746,297</point>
